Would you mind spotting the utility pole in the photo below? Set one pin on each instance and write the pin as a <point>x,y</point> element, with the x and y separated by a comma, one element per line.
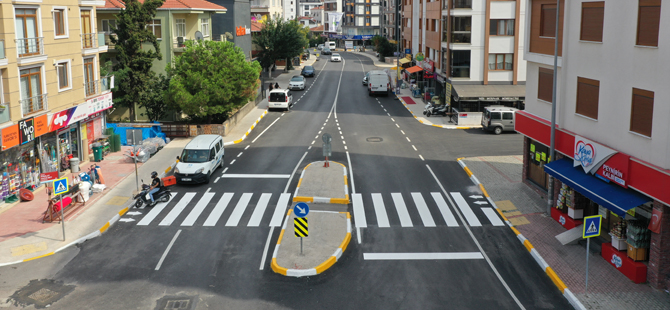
<point>552,151</point>
<point>397,39</point>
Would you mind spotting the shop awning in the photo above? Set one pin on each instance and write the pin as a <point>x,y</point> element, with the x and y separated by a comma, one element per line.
<point>414,69</point>
<point>404,60</point>
<point>489,92</point>
<point>613,197</point>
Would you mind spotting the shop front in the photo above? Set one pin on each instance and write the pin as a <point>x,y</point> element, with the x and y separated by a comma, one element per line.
<point>593,179</point>
<point>474,98</point>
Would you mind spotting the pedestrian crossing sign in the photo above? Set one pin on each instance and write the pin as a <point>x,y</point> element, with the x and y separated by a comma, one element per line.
<point>592,226</point>
<point>60,186</point>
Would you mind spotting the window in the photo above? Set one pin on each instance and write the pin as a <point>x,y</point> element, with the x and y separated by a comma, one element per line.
<point>501,61</point>
<point>180,27</point>
<point>508,116</point>
<point>31,90</point>
<point>593,14</point>
<point>642,110</point>
<point>205,27</point>
<point>462,4</point>
<point>545,84</point>
<point>212,154</point>
<point>460,63</point>
<point>90,84</point>
<point>27,41</point>
<point>59,22</point>
<point>502,27</point>
<point>63,70</point>
<point>88,37</point>
<point>307,7</point>
<point>108,25</point>
<point>548,21</point>
<point>460,30</point>
<point>155,26</point>
<point>648,19</point>
<point>587,97</point>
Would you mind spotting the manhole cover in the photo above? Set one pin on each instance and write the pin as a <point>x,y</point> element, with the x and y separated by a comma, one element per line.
<point>43,295</point>
<point>176,303</point>
<point>374,139</point>
<point>40,293</point>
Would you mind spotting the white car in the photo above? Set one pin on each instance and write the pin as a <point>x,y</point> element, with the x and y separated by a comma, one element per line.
<point>297,82</point>
<point>280,99</point>
<point>335,57</point>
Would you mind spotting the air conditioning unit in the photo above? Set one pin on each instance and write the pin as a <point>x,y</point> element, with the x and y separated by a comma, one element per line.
<point>180,41</point>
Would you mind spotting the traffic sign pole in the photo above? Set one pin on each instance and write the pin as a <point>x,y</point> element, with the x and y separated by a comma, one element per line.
<point>61,186</point>
<point>586,286</point>
<point>592,225</point>
<point>62,215</point>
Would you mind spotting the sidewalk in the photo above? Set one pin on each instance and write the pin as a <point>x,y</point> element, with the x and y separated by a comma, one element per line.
<point>416,105</point>
<point>526,211</point>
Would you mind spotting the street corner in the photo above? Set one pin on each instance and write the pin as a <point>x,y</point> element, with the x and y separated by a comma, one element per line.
<point>312,244</point>
<point>323,182</point>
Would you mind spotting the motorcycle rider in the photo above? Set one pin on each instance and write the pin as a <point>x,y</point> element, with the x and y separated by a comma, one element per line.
<point>156,185</point>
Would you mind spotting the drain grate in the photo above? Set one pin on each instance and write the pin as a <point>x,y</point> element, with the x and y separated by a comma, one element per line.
<point>374,139</point>
<point>40,293</point>
<point>177,304</point>
<point>43,295</point>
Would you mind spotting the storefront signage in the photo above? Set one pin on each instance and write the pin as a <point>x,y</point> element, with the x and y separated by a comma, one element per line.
<point>419,56</point>
<point>440,79</point>
<point>615,169</point>
<point>41,124</point>
<point>616,261</point>
<point>447,93</point>
<point>26,131</point>
<point>99,103</point>
<point>408,51</point>
<point>590,155</point>
<point>10,136</point>
<point>48,176</point>
<point>59,120</point>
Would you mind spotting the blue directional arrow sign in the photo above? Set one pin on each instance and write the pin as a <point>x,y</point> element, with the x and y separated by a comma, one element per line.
<point>60,186</point>
<point>301,209</point>
<point>592,226</point>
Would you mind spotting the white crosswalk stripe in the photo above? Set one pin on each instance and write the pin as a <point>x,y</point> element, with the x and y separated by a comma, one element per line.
<point>444,209</point>
<point>234,218</point>
<point>380,210</point>
<point>465,209</point>
<point>256,217</point>
<point>218,210</point>
<point>403,213</point>
<point>183,202</point>
<point>280,209</point>
<point>197,210</point>
<point>154,212</point>
<point>426,218</point>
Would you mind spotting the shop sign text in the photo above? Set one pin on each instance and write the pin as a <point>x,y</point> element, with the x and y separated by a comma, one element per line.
<point>27,130</point>
<point>590,155</point>
<point>48,176</point>
<point>10,136</point>
<point>585,153</point>
<point>615,169</point>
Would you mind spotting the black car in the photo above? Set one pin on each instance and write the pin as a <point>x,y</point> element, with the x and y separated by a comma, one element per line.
<point>326,51</point>
<point>307,71</point>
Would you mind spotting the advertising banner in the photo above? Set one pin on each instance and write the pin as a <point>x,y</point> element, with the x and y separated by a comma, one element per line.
<point>335,22</point>
<point>590,155</point>
<point>26,131</point>
<point>10,136</point>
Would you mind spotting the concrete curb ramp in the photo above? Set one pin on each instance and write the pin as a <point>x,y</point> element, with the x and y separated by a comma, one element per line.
<point>248,131</point>
<point>298,198</point>
<point>321,267</point>
<point>430,124</point>
<point>572,299</point>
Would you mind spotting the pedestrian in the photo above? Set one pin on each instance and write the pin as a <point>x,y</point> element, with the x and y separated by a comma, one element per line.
<point>270,86</point>
<point>276,85</point>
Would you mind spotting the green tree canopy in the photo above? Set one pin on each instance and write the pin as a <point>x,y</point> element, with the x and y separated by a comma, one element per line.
<point>211,78</point>
<point>133,74</point>
<point>280,39</point>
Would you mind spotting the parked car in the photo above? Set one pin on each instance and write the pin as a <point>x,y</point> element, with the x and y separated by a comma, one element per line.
<point>297,82</point>
<point>320,47</point>
<point>326,51</point>
<point>498,118</point>
<point>199,159</point>
<point>335,57</point>
<point>280,99</point>
<point>307,71</point>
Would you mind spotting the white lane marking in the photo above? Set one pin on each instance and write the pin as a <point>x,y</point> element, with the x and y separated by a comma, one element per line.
<point>380,210</point>
<point>224,170</point>
<point>403,132</point>
<point>479,246</point>
<point>293,173</point>
<point>154,212</point>
<point>317,136</point>
<point>183,202</point>
<point>392,119</point>
<point>309,148</point>
<point>388,114</point>
<point>408,140</point>
<point>322,127</point>
<point>345,147</point>
<point>247,147</point>
<point>208,189</point>
<point>465,209</point>
<point>267,245</point>
<point>444,209</point>
<point>493,217</point>
<point>160,262</point>
<point>319,131</point>
<point>422,256</point>
<point>242,204</point>
<point>257,215</point>
<point>401,208</point>
<point>359,211</point>
<point>214,216</point>
<point>240,154</point>
<point>233,161</point>
<point>351,173</point>
<point>256,176</point>
<point>340,132</point>
<point>217,179</point>
<point>313,141</point>
<point>414,147</point>
<point>344,142</point>
<point>197,210</point>
<point>266,129</point>
<point>280,209</point>
<point>397,125</point>
<point>421,157</point>
<point>342,137</point>
<point>424,213</point>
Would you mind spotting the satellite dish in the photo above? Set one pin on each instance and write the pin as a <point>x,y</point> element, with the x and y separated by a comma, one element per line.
<point>198,36</point>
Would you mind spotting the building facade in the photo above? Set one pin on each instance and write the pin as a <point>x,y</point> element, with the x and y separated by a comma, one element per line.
<point>261,10</point>
<point>228,26</point>
<point>54,94</point>
<point>361,18</point>
<point>612,139</point>
<point>290,9</point>
<point>305,6</point>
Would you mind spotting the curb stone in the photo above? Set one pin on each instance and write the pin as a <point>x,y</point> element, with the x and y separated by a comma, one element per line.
<point>248,131</point>
<point>572,299</point>
<point>297,198</point>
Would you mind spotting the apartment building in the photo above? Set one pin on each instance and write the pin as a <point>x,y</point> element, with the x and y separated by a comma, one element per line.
<point>290,9</point>
<point>361,19</point>
<point>612,138</point>
<point>53,94</point>
<point>332,17</point>
<point>317,14</point>
<point>390,22</point>
<point>261,10</point>
<point>305,6</point>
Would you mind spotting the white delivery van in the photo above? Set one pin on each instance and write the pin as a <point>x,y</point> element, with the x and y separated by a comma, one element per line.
<point>280,99</point>
<point>331,45</point>
<point>199,159</point>
<point>379,84</point>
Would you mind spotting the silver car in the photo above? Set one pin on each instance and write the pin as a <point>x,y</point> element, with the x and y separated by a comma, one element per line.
<point>297,82</point>
<point>335,57</point>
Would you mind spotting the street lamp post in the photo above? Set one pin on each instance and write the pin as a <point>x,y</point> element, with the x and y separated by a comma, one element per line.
<point>550,195</point>
<point>397,38</point>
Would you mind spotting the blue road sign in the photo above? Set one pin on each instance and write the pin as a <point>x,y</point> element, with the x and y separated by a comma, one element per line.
<point>301,209</point>
<point>592,226</point>
<point>60,186</point>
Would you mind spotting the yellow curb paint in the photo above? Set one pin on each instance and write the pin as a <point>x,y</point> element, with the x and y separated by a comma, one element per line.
<point>557,281</point>
<point>307,166</point>
<point>104,228</point>
<point>345,242</point>
<point>339,200</point>
<point>345,180</point>
<point>437,126</point>
<point>528,245</point>
<point>237,141</point>
<point>468,171</point>
<point>348,215</point>
<point>276,268</point>
<point>168,169</point>
<point>299,182</point>
<point>36,257</point>
<point>303,199</point>
<point>516,232</point>
<point>325,265</point>
<point>122,212</point>
<point>281,235</point>
<point>484,190</point>
<point>501,214</point>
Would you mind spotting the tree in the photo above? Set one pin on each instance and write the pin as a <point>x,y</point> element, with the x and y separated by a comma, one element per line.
<point>154,103</point>
<point>376,40</point>
<point>280,39</point>
<point>133,75</point>
<point>211,78</point>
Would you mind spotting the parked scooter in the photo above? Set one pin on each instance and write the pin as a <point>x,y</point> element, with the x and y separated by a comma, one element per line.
<point>163,195</point>
<point>433,109</point>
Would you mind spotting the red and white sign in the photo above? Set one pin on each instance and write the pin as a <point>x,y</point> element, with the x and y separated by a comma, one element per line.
<point>99,103</point>
<point>616,169</point>
<point>589,154</point>
<point>48,176</point>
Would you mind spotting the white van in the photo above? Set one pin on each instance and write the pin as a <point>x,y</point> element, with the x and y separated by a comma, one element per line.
<point>331,45</point>
<point>379,84</point>
<point>280,99</point>
<point>199,159</point>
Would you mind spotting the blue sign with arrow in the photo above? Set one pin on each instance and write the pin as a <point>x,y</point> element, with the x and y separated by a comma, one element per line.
<point>592,226</point>
<point>301,209</point>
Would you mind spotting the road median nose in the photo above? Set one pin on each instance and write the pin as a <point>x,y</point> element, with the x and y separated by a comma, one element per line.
<point>319,184</point>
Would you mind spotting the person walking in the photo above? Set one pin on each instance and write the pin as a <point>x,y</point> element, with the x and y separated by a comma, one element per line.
<point>270,86</point>
<point>276,85</point>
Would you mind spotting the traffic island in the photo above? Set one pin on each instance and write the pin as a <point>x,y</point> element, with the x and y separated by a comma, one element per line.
<point>321,184</point>
<point>329,234</point>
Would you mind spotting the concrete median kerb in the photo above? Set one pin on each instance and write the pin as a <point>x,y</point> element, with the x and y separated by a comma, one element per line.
<point>248,131</point>
<point>307,183</point>
<point>572,299</point>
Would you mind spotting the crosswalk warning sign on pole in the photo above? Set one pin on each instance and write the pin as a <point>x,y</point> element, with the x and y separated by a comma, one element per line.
<point>592,225</point>
<point>300,225</point>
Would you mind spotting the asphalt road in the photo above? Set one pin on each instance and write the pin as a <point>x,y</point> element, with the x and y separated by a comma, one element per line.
<point>398,164</point>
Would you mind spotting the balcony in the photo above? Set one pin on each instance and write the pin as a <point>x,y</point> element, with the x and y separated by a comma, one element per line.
<point>108,41</point>
<point>33,104</point>
<point>92,88</point>
<point>260,6</point>
<point>3,57</point>
<point>89,40</point>
<point>27,47</point>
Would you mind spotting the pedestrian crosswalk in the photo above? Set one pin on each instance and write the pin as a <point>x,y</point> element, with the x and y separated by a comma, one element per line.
<point>382,210</point>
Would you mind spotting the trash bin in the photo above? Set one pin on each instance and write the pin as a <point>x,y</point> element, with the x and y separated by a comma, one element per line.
<point>97,152</point>
<point>74,164</point>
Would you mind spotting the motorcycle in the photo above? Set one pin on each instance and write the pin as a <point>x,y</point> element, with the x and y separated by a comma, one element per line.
<point>162,195</point>
<point>433,109</point>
